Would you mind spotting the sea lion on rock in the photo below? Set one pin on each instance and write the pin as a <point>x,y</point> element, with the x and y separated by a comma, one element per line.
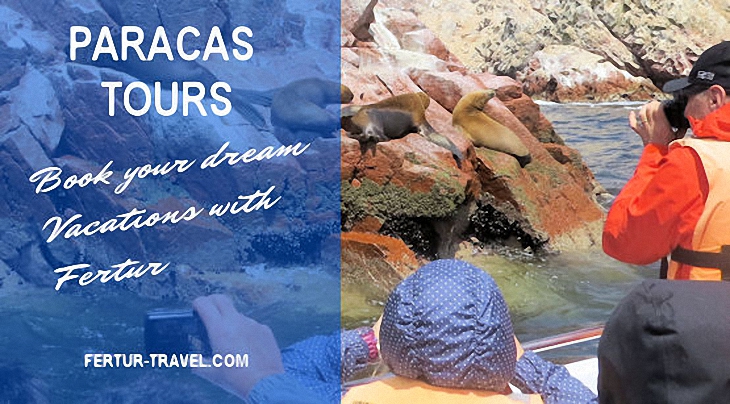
<point>346,95</point>
<point>298,109</point>
<point>483,131</point>
<point>394,118</point>
<point>379,125</point>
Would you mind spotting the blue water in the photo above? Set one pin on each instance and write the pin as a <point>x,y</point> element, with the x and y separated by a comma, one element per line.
<point>601,133</point>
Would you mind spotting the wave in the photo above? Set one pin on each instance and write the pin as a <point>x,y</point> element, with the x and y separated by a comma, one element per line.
<point>593,104</point>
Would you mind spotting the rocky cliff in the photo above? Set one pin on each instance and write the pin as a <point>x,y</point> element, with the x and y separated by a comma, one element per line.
<point>409,192</point>
<point>577,50</point>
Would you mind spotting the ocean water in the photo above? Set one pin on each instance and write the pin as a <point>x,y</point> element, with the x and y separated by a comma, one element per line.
<point>601,133</point>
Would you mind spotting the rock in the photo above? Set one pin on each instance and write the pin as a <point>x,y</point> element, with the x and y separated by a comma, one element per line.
<point>22,251</point>
<point>274,26</point>
<point>90,132</point>
<point>375,259</point>
<point>654,39</point>
<point>565,73</point>
<point>411,189</point>
<point>528,112</point>
<point>352,11</point>
<point>55,18</point>
<point>9,279</point>
<point>540,206</point>
<point>35,103</point>
<point>446,88</point>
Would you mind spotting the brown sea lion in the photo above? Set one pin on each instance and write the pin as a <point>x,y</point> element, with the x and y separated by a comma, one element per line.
<point>483,131</point>
<point>300,106</point>
<point>399,116</point>
<point>380,124</point>
<point>346,94</point>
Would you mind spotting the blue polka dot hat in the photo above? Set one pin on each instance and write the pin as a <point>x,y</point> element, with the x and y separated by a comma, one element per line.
<point>448,325</point>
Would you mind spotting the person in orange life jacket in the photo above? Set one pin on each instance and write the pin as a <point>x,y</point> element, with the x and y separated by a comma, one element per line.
<point>678,200</point>
<point>446,335</point>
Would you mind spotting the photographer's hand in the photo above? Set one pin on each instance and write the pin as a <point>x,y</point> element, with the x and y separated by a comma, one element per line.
<point>230,332</point>
<point>651,124</point>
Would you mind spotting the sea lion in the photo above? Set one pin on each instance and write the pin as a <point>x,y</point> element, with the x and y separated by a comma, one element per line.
<point>483,131</point>
<point>401,115</point>
<point>380,125</point>
<point>298,111</point>
<point>391,118</point>
<point>300,105</point>
<point>346,95</point>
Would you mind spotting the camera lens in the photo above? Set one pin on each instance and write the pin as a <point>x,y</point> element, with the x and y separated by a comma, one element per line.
<point>674,110</point>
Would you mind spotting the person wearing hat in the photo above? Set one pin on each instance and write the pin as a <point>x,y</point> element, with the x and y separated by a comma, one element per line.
<point>678,200</point>
<point>447,337</point>
<point>667,343</point>
<point>445,334</point>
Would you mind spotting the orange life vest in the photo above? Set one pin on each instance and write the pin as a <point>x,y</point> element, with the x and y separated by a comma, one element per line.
<point>713,228</point>
<point>401,390</point>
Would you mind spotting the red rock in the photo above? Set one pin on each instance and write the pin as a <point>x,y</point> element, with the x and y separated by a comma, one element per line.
<point>369,224</point>
<point>529,114</point>
<point>375,259</point>
<point>446,88</point>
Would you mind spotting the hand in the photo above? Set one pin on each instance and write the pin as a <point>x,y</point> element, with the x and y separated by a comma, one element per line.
<point>651,124</point>
<point>230,332</point>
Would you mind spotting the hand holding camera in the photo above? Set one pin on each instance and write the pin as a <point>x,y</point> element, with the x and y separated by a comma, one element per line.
<point>674,110</point>
<point>230,332</point>
<point>652,122</point>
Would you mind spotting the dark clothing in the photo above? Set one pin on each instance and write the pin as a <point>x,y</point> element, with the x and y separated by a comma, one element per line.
<point>667,343</point>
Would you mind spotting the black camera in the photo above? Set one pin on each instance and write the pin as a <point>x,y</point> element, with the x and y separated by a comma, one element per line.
<point>175,331</point>
<point>674,110</point>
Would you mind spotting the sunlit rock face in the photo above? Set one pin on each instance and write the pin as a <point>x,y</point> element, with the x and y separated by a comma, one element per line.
<point>577,50</point>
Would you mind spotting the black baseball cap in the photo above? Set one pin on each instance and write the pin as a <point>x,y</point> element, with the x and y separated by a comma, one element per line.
<point>712,67</point>
<point>667,342</point>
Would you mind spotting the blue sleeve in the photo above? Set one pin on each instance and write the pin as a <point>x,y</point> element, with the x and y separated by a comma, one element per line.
<point>535,375</point>
<point>322,363</point>
<point>282,389</point>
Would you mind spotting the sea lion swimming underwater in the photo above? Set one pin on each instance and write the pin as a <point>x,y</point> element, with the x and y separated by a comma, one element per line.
<point>394,118</point>
<point>483,131</point>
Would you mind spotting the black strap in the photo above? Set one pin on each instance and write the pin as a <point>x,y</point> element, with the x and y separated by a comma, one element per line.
<point>664,268</point>
<point>703,259</point>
